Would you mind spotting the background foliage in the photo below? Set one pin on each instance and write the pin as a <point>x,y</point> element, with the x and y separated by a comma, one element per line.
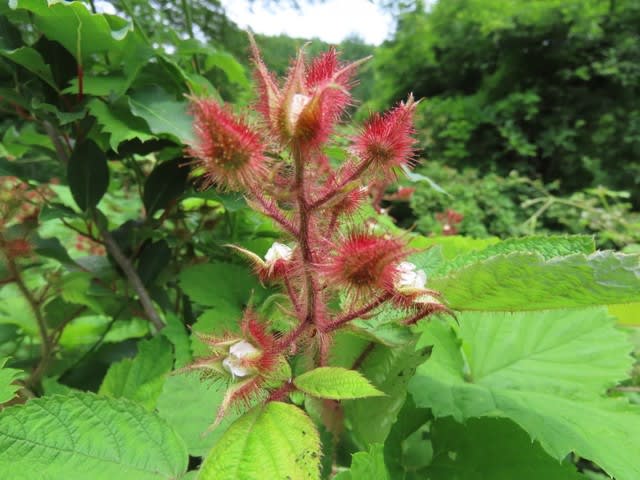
<point>112,257</point>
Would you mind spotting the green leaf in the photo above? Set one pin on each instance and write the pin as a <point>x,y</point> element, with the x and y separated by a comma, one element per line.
<point>165,184</point>
<point>276,440</point>
<point>31,59</point>
<point>389,369</point>
<point>154,258</point>
<point>213,283</point>
<point>545,371</point>
<point>163,113</point>
<point>452,245</point>
<point>88,175</point>
<point>194,423</point>
<point>336,383</point>
<point>523,281</point>
<point>367,466</point>
<point>140,378</point>
<point>547,246</point>
<point>81,32</point>
<point>229,65</point>
<point>83,436</point>
<point>176,332</point>
<point>626,313</point>
<point>7,377</point>
<point>490,448</point>
<point>117,121</point>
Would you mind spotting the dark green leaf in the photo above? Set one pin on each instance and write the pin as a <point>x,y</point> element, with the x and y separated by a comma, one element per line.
<point>165,184</point>
<point>88,175</point>
<point>153,259</point>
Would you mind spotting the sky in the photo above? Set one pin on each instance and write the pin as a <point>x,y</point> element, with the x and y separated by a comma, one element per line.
<point>331,21</point>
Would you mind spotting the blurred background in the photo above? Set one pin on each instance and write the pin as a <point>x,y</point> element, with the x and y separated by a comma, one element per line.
<point>530,114</point>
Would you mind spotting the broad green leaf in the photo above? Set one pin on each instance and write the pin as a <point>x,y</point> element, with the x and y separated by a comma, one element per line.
<point>154,258</point>
<point>523,281</point>
<point>72,24</point>
<point>490,448</point>
<point>212,283</point>
<point>219,320</point>
<point>31,59</point>
<point>276,440</point>
<point>626,313</point>
<point>389,369</point>
<point>88,174</point>
<point>190,404</point>
<point>117,121</point>
<point>547,246</point>
<point>7,377</point>
<point>452,245</point>
<point>165,184</point>
<point>367,465</point>
<point>163,113</point>
<point>336,383</point>
<point>82,436</point>
<point>140,378</point>
<point>545,371</point>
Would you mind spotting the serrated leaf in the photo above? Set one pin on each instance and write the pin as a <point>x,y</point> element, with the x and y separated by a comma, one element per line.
<point>190,404</point>
<point>88,174</point>
<point>367,465</point>
<point>522,281</point>
<point>7,377</point>
<point>81,32</point>
<point>545,371</point>
<point>452,245</point>
<point>31,59</point>
<point>547,246</point>
<point>140,378</point>
<point>165,184</point>
<point>276,440</point>
<point>336,383</point>
<point>117,121</point>
<point>213,283</point>
<point>490,448</point>
<point>163,113</point>
<point>83,436</point>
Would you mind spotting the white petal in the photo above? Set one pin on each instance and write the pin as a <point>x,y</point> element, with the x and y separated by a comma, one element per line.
<point>278,251</point>
<point>232,365</point>
<point>242,349</point>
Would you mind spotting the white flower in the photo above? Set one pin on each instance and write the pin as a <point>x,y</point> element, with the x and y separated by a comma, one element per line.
<point>278,251</point>
<point>298,102</point>
<point>237,352</point>
<point>408,277</point>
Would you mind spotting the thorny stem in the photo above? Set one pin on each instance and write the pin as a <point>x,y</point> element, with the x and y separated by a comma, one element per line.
<point>359,170</point>
<point>303,239</point>
<point>293,296</point>
<point>347,317</point>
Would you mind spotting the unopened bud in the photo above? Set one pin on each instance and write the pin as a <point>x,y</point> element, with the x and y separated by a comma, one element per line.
<point>236,363</point>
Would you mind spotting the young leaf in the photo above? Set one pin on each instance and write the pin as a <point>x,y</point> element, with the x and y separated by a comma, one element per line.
<point>545,371</point>
<point>88,174</point>
<point>83,436</point>
<point>336,383</point>
<point>117,121</point>
<point>7,377</point>
<point>367,465</point>
<point>277,440</point>
<point>140,378</point>
<point>528,281</point>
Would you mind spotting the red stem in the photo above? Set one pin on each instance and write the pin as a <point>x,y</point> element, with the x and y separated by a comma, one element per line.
<point>347,317</point>
<point>318,202</point>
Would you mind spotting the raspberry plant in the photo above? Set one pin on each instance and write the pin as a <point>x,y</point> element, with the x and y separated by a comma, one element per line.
<point>263,318</point>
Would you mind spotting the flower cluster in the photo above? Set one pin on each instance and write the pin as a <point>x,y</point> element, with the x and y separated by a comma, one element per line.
<point>278,161</point>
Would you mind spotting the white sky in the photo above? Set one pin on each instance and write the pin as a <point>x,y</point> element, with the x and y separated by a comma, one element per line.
<point>330,21</point>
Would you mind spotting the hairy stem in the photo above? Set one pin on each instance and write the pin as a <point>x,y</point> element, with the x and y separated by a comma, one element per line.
<point>343,182</point>
<point>347,317</point>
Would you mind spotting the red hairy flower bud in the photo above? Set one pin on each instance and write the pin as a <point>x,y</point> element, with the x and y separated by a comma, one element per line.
<point>228,150</point>
<point>363,263</point>
<point>386,140</point>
